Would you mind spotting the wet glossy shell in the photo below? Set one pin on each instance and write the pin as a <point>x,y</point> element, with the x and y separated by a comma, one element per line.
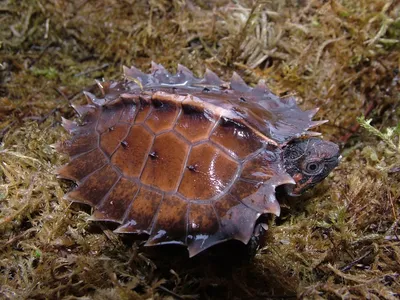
<point>185,160</point>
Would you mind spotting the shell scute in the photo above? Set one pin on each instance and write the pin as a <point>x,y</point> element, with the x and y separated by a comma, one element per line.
<point>183,75</point>
<point>160,74</point>
<point>258,196</point>
<point>162,117</point>
<point>211,172</point>
<point>131,156</point>
<point>142,212</point>
<point>116,204</point>
<point>260,89</point>
<point>167,156</point>
<point>263,166</point>
<point>238,140</point>
<point>133,72</point>
<point>82,110</point>
<point>128,113</point>
<point>210,78</point>
<point>93,100</point>
<point>170,224</point>
<point>78,144</point>
<point>190,118</point>
<point>83,165</point>
<point>143,111</point>
<point>238,84</point>
<point>203,227</point>
<point>109,117</point>
<point>92,190</point>
<point>111,139</point>
<point>236,219</point>
<point>70,126</point>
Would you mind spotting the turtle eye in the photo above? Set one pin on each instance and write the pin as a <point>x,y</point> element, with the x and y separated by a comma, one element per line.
<point>313,167</point>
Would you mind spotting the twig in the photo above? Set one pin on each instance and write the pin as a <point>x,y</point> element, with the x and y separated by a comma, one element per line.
<point>324,45</point>
<point>18,237</point>
<point>103,66</point>
<point>41,119</point>
<point>354,262</point>
<point>6,129</point>
<point>34,61</point>
<point>164,289</point>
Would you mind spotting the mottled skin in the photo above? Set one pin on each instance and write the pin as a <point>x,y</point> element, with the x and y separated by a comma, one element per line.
<point>309,162</point>
<point>190,161</point>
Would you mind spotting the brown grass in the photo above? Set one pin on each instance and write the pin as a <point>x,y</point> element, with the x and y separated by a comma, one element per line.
<point>342,56</point>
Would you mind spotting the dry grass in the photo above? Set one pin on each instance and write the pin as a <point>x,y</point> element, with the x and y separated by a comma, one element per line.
<point>340,55</point>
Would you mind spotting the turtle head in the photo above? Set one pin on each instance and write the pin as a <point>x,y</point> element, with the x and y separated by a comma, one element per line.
<point>309,161</point>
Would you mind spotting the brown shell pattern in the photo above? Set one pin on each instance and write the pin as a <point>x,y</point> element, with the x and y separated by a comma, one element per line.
<point>191,161</point>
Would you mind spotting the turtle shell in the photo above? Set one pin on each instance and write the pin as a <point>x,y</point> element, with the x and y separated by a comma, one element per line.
<point>191,161</point>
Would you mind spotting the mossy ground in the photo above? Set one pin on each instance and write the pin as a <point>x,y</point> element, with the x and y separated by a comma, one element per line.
<point>343,56</point>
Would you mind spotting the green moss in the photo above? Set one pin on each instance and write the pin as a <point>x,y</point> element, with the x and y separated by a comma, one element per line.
<point>49,73</point>
<point>339,242</point>
<point>386,155</point>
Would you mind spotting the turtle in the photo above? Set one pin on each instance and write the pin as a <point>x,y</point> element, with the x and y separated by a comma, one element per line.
<point>187,160</point>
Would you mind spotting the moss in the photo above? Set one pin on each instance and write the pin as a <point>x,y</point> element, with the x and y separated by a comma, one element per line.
<point>49,73</point>
<point>341,241</point>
